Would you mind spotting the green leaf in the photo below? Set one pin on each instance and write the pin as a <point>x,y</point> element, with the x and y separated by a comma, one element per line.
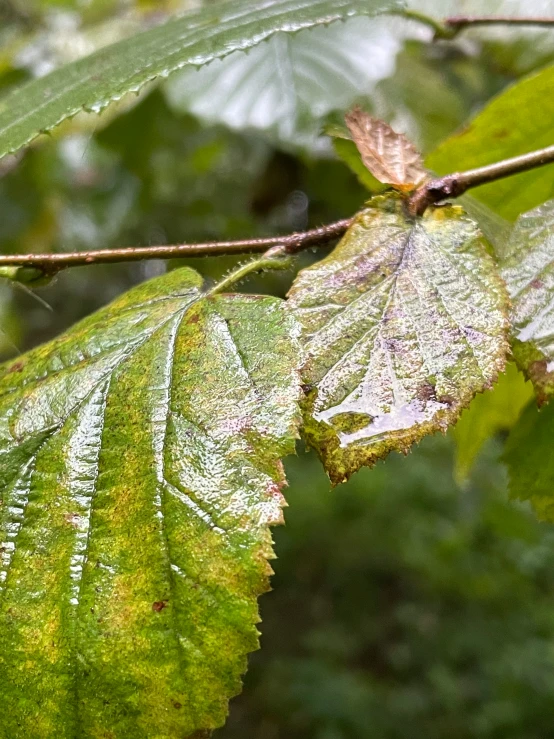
<point>403,323</point>
<point>528,456</point>
<point>195,39</point>
<point>527,265</point>
<point>517,121</point>
<point>489,413</point>
<point>140,466</point>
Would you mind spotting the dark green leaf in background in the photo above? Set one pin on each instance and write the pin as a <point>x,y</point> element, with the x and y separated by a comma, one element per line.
<point>195,39</point>
<point>403,323</point>
<point>495,410</point>
<point>140,467</point>
<point>528,456</point>
<point>528,268</point>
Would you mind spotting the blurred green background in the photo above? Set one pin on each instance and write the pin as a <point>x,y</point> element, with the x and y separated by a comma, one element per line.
<point>416,601</point>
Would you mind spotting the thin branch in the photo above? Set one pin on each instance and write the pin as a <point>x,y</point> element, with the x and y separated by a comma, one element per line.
<point>457,23</point>
<point>450,27</point>
<point>51,263</point>
<point>454,185</point>
<point>431,191</point>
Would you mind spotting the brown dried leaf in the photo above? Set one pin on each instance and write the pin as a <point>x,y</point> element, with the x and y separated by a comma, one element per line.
<point>389,156</point>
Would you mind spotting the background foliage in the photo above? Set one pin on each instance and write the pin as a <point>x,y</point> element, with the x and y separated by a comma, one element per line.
<point>406,603</point>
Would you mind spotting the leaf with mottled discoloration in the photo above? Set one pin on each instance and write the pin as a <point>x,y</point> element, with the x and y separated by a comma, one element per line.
<point>528,268</point>
<point>388,155</point>
<point>140,470</point>
<point>403,323</point>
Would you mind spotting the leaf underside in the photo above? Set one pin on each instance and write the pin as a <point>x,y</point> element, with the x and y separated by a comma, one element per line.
<point>195,39</point>
<point>140,467</point>
<point>403,323</point>
<point>528,269</point>
<point>389,156</point>
<point>290,82</point>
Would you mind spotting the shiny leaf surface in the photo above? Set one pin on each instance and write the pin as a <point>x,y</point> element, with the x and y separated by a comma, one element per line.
<point>403,323</point>
<point>140,467</point>
<point>505,128</point>
<point>528,268</point>
<point>388,155</point>
<point>195,39</point>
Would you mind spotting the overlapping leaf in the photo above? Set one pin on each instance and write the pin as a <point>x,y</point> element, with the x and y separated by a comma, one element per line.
<point>505,128</point>
<point>489,413</point>
<point>403,323</point>
<point>194,39</point>
<point>528,268</point>
<point>389,156</point>
<point>139,459</point>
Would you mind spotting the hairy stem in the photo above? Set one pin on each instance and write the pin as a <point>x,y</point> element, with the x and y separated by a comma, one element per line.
<point>275,258</point>
<point>49,264</point>
<point>454,185</point>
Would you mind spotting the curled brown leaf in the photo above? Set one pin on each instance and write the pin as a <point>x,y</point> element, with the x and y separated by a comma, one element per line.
<point>389,156</point>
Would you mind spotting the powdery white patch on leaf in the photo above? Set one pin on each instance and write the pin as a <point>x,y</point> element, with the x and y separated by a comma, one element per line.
<point>403,324</point>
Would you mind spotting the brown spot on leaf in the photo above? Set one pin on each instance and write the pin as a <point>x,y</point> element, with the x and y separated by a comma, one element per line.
<point>159,605</point>
<point>426,392</point>
<point>176,704</point>
<point>538,368</point>
<point>17,367</point>
<point>537,284</point>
